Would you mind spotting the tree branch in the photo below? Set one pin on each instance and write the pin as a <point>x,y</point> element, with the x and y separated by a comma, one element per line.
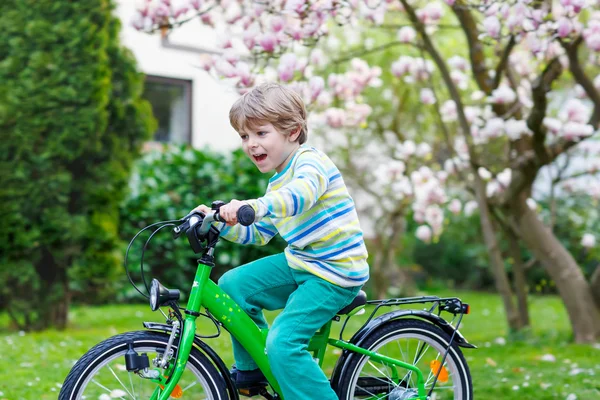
<point>351,55</point>
<point>469,26</point>
<point>503,62</point>
<point>541,86</point>
<point>438,60</point>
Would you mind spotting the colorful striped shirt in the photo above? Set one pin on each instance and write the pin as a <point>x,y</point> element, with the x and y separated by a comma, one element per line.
<point>308,204</point>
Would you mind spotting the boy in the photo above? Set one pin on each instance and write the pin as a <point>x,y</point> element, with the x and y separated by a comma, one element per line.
<point>325,264</point>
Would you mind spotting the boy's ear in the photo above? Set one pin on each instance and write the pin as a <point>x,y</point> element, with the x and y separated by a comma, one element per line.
<point>295,134</point>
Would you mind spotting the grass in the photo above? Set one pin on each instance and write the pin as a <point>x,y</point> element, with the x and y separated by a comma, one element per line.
<point>33,365</point>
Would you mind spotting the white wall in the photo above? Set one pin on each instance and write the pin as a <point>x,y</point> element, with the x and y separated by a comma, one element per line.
<point>211,99</point>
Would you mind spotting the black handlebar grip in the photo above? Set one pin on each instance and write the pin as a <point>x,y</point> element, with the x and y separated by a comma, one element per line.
<point>246,215</point>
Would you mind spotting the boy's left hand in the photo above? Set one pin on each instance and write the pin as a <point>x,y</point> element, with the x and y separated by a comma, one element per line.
<point>229,211</point>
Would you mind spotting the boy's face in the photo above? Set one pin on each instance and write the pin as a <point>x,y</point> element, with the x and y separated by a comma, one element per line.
<point>268,148</point>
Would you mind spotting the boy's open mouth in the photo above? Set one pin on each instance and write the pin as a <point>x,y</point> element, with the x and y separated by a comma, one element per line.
<point>260,157</point>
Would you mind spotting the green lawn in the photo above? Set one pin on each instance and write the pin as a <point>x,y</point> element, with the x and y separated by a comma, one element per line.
<point>33,365</point>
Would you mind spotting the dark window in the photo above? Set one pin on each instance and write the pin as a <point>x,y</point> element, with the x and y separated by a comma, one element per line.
<point>171,101</point>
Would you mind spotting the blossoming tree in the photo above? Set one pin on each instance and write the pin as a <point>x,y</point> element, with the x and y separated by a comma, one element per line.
<point>518,95</point>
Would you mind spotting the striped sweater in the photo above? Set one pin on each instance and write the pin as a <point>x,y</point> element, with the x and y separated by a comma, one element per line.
<point>308,204</point>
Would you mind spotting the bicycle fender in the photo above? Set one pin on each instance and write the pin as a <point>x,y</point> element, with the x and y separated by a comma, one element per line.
<point>381,320</point>
<point>433,318</point>
<point>208,351</point>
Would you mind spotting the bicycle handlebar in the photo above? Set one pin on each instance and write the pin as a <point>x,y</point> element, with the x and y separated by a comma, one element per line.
<point>245,216</point>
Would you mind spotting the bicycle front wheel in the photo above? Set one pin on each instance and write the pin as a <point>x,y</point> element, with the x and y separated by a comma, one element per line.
<point>101,373</point>
<point>414,342</point>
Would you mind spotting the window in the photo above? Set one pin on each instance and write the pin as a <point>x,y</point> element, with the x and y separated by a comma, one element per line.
<point>171,101</point>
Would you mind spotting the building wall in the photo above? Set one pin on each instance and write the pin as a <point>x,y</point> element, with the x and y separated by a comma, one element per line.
<point>211,99</point>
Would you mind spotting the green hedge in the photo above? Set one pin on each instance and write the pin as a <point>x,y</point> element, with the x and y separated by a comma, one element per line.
<point>166,186</point>
<point>72,121</point>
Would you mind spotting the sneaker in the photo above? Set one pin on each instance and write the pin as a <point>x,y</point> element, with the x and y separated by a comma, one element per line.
<point>247,379</point>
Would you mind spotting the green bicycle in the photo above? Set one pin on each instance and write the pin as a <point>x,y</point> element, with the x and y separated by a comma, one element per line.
<point>399,355</point>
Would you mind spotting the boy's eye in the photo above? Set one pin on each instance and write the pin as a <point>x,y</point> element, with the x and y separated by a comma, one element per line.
<point>244,137</point>
<point>262,133</point>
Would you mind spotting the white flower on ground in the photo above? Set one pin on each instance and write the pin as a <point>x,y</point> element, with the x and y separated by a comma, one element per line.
<point>424,233</point>
<point>548,357</point>
<point>588,240</point>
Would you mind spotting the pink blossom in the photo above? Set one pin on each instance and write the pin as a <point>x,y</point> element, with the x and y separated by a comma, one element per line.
<point>493,128</point>
<point>450,2</point>
<point>484,174</point>
<point>492,26</point>
<point>516,128</point>
<point>575,130</point>
<point>225,69</point>
<point>575,111</point>
<point>424,233</point>
<point>249,37</point>
<point>458,62</point>
<point>455,206</point>
<point>335,117</point>
<point>406,34</point>
<point>401,66</point>
<point>197,4</point>
<point>427,96</point>
<point>267,41</point>
<point>448,111</point>
<point>423,150</point>
<point>207,19</point>
<point>295,5</point>
<point>564,27</point>
<point>231,56</point>
<point>317,58</point>
<point>287,66</point>
<point>503,95</point>
<point>277,23</point>
<point>316,85</point>
<point>552,124</point>
<point>243,71</point>
<point>504,178</point>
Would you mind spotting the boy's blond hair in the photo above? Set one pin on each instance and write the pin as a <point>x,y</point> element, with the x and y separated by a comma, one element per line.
<point>270,103</point>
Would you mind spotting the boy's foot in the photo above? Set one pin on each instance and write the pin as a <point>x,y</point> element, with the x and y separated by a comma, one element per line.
<point>248,379</point>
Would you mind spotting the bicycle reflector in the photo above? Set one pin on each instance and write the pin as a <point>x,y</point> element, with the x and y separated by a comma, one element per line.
<point>442,373</point>
<point>160,295</point>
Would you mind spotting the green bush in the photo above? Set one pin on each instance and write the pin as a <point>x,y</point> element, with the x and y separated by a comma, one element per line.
<point>166,186</point>
<point>72,121</point>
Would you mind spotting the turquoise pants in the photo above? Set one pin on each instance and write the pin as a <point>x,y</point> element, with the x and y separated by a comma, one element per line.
<point>308,302</point>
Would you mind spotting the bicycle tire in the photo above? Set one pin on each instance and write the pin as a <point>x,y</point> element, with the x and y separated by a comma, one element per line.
<point>110,354</point>
<point>352,384</point>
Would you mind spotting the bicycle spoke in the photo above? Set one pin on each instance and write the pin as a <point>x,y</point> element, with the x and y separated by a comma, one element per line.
<point>117,378</point>
<point>105,388</point>
<point>189,386</point>
<point>132,386</point>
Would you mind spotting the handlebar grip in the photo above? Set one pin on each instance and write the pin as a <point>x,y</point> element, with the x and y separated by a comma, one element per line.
<point>246,215</point>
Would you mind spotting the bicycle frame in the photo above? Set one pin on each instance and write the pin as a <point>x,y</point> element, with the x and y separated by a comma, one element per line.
<point>224,309</point>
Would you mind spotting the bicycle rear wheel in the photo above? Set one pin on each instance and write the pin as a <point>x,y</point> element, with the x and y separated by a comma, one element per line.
<point>101,373</point>
<point>415,342</point>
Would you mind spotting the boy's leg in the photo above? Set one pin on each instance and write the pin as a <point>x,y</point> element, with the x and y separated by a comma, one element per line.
<point>263,284</point>
<point>313,304</point>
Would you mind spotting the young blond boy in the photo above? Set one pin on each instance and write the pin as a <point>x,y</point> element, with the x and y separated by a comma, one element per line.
<point>325,264</point>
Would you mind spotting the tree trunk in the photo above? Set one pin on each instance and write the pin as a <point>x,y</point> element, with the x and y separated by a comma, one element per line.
<point>53,294</point>
<point>595,284</point>
<point>377,269</point>
<point>520,282</point>
<point>491,242</point>
<point>574,290</point>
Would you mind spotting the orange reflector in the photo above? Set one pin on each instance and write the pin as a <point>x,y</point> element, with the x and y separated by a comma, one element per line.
<point>442,376</point>
<point>176,393</point>
<point>468,309</point>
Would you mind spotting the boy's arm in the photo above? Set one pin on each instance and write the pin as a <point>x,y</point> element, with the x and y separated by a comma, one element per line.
<point>259,233</point>
<point>308,184</point>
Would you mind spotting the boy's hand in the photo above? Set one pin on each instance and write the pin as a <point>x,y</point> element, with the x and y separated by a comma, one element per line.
<point>229,211</point>
<point>203,209</point>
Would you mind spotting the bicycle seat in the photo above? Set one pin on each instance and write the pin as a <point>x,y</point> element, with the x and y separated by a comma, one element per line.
<point>359,300</point>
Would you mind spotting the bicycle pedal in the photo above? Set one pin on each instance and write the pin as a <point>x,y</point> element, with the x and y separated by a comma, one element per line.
<point>253,391</point>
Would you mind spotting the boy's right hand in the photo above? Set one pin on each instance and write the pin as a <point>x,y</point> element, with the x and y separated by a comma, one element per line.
<point>203,209</point>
